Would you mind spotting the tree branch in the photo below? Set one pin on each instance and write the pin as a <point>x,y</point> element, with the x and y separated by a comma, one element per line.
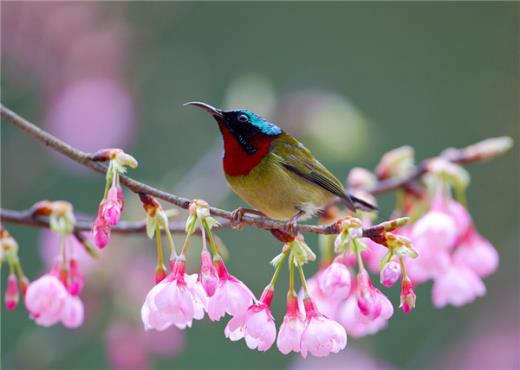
<point>86,159</point>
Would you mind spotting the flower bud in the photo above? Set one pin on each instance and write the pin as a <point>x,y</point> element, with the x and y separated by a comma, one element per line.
<point>407,295</point>
<point>390,273</point>
<point>208,273</point>
<point>11,293</point>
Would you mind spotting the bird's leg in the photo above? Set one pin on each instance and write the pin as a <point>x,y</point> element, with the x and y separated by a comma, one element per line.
<point>237,214</point>
<point>293,223</point>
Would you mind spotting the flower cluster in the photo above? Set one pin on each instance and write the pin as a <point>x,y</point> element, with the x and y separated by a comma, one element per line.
<point>113,201</point>
<point>54,297</point>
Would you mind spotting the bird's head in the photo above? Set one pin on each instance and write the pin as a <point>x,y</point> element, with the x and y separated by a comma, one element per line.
<point>245,126</point>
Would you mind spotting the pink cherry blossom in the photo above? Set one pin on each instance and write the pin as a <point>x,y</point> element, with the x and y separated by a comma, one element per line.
<point>208,273</point>
<point>231,296</point>
<point>368,298</point>
<point>357,324</point>
<point>436,230</point>
<point>325,305</point>
<point>335,281</point>
<point>76,279</point>
<point>256,325</point>
<point>321,335</point>
<point>12,295</point>
<point>45,299</point>
<point>477,253</point>
<point>72,312</point>
<point>176,300</point>
<point>457,286</point>
<point>390,273</point>
<point>290,333</point>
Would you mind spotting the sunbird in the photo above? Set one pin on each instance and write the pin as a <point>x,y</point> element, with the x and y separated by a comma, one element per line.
<point>272,171</point>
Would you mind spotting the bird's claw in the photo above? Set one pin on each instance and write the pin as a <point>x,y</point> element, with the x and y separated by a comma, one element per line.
<point>236,218</point>
<point>292,227</point>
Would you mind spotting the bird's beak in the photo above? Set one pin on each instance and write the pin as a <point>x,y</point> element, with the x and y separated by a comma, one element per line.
<point>208,108</point>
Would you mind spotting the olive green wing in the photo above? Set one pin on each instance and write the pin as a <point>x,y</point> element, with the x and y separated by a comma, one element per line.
<point>292,155</point>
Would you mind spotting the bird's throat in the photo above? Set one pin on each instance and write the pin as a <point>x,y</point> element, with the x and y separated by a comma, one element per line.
<point>240,158</point>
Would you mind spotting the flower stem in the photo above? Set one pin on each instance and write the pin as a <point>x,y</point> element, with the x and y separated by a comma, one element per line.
<point>186,242</point>
<point>109,178</point>
<point>291,275</point>
<point>63,252</point>
<point>212,244</point>
<point>403,267</point>
<point>160,258</point>
<point>277,270</point>
<point>357,250</point>
<point>304,282</point>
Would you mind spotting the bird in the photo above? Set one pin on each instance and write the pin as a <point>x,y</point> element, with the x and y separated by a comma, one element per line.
<point>273,172</point>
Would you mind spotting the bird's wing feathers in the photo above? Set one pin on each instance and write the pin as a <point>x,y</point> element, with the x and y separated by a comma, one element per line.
<point>296,158</point>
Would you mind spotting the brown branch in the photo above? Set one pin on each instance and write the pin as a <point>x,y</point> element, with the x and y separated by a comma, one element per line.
<point>86,159</point>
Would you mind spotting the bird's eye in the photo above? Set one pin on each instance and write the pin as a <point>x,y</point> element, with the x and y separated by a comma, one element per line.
<point>243,118</point>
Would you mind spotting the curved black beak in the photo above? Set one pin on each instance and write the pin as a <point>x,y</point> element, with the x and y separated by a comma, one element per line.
<point>215,112</point>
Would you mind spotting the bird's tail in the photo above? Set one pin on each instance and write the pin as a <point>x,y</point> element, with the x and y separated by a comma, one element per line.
<point>354,203</point>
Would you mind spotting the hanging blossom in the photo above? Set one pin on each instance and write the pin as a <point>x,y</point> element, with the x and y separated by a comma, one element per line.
<point>16,280</point>
<point>54,297</point>
<point>113,202</point>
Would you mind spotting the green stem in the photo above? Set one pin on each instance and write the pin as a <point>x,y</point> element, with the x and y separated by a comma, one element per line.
<point>291,275</point>
<point>63,252</point>
<point>212,244</point>
<point>403,267</point>
<point>185,244</point>
<point>361,266</point>
<point>160,258</point>
<point>304,282</point>
<point>171,243</point>
<point>19,270</point>
<point>277,270</point>
<point>109,177</point>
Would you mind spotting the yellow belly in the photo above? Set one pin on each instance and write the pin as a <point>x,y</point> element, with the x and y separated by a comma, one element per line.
<point>277,192</point>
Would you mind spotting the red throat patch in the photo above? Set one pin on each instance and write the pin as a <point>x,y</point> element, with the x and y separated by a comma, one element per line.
<point>236,161</point>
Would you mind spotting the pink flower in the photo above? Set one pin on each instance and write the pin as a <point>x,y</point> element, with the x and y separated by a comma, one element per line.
<point>231,296</point>
<point>208,273</point>
<point>368,298</point>
<point>325,305</point>
<point>390,273</point>
<point>290,334</point>
<point>112,207</point>
<point>407,295</point>
<point>357,324</point>
<point>256,325</point>
<point>457,286</point>
<point>321,335</point>
<point>44,300</point>
<point>436,230</point>
<point>12,295</point>
<point>72,312</point>
<point>335,281</point>
<point>177,300</point>
<point>477,253</point>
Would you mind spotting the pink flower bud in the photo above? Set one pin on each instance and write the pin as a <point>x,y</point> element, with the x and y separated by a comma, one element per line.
<point>390,273</point>
<point>111,208</point>
<point>208,273</point>
<point>12,295</point>
<point>101,234</point>
<point>407,296</point>
<point>76,279</point>
<point>368,297</point>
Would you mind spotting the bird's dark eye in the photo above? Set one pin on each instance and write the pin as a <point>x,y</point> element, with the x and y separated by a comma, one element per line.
<point>243,118</point>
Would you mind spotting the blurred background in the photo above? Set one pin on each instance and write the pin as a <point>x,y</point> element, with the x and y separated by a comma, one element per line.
<point>350,80</point>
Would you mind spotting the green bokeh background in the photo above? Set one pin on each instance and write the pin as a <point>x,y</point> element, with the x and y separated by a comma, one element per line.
<point>424,74</point>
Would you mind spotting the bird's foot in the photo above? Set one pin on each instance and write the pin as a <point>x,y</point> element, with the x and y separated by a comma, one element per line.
<point>292,225</point>
<point>237,214</point>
